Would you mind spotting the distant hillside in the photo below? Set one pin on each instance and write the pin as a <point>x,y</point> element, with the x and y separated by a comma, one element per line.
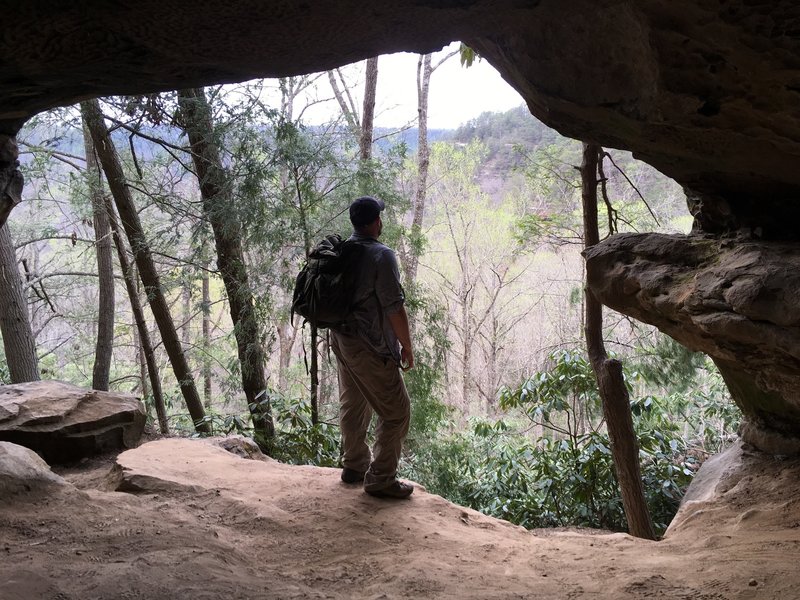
<point>388,137</point>
<point>499,131</point>
<point>502,131</point>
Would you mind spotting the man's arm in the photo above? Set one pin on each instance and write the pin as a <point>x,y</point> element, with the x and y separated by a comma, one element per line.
<point>399,323</point>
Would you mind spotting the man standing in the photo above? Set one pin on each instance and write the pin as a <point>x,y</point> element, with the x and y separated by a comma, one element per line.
<point>371,348</point>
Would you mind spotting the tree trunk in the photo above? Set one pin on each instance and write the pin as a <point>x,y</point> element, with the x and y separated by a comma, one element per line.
<point>614,394</point>
<point>104,346</point>
<point>218,208</point>
<point>10,177</point>
<point>141,325</point>
<point>186,305</point>
<point>466,355</point>
<point>142,362</point>
<point>314,375</point>
<point>109,159</point>
<point>206,339</point>
<point>345,102</point>
<point>424,71</point>
<point>287,333</point>
<point>368,114</point>
<point>328,377</point>
<point>15,324</point>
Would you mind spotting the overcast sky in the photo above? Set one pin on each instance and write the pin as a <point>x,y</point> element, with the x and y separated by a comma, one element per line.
<point>457,94</point>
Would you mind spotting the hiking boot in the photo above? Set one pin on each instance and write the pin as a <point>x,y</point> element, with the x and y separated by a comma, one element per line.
<point>352,476</point>
<point>397,489</point>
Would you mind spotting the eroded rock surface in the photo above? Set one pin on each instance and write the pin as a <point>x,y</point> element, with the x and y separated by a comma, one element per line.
<point>738,491</point>
<point>63,422</point>
<point>241,446</point>
<point>736,300</point>
<point>207,524</point>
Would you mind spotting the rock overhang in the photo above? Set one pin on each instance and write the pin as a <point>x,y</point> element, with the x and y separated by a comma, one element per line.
<point>707,92</point>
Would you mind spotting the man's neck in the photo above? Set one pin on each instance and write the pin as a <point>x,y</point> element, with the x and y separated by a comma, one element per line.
<point>367,233</point>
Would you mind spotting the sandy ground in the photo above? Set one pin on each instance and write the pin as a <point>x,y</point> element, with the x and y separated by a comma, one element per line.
<point>198,522</point>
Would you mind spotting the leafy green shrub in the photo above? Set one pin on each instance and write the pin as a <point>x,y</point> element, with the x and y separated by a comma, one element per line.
<point>299,441</point>
<point>546,483</point>
<point>563,475</point>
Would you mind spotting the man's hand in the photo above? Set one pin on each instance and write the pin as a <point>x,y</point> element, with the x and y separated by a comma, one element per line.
<point>406,359</point>
<point>399,323</point>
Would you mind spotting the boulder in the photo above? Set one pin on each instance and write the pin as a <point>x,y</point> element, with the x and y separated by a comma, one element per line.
<point>241,446</point>
<point>734,299</point>
<point>22,470</point>
<point>64,423</point>
<point>740,490</point>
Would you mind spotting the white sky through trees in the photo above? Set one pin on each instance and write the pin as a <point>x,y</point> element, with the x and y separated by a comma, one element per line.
<point>457,94</point>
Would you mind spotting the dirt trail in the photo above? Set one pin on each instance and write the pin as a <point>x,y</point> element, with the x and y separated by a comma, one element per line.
<point>198,522</point>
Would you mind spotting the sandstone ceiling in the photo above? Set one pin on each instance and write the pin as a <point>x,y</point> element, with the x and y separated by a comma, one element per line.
<point>707,91</point>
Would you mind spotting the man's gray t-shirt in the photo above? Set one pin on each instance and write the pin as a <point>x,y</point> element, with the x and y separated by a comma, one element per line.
<point>377,294</point>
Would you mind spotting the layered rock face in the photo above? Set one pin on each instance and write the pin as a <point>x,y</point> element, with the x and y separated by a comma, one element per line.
<point>706,91</point>
<point>64,423</point>
<point>734,299</point>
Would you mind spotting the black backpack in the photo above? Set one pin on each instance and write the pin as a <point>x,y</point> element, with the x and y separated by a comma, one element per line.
<point>323,291</point>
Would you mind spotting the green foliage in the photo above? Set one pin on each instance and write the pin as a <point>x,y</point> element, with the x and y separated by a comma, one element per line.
<point>568,384</point>
<point>297,440</point>
<point>666,363</point>
<point>220,424</point>
<point>467,55</point>
<point>564,474</point>
<point>424,381</point>
<point>502,133</point>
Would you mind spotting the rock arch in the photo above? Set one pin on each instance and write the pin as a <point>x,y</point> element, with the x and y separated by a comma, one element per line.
<point>706,91</point>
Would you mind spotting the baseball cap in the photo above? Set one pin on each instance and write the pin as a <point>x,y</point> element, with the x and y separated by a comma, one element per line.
<point>365,210</point>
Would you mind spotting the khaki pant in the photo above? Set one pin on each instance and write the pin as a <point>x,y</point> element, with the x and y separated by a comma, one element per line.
<point>370,383</point>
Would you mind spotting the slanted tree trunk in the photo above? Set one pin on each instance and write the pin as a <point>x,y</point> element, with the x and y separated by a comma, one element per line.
<point>614,394</point>
<point>218,207</point>
<point>104,346</point>
<point>109,159</point>
<point>15,323</point>
<point>140,359</point>
<point>368,114</point>
<point>146,346</point>
<point>345,100</point>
